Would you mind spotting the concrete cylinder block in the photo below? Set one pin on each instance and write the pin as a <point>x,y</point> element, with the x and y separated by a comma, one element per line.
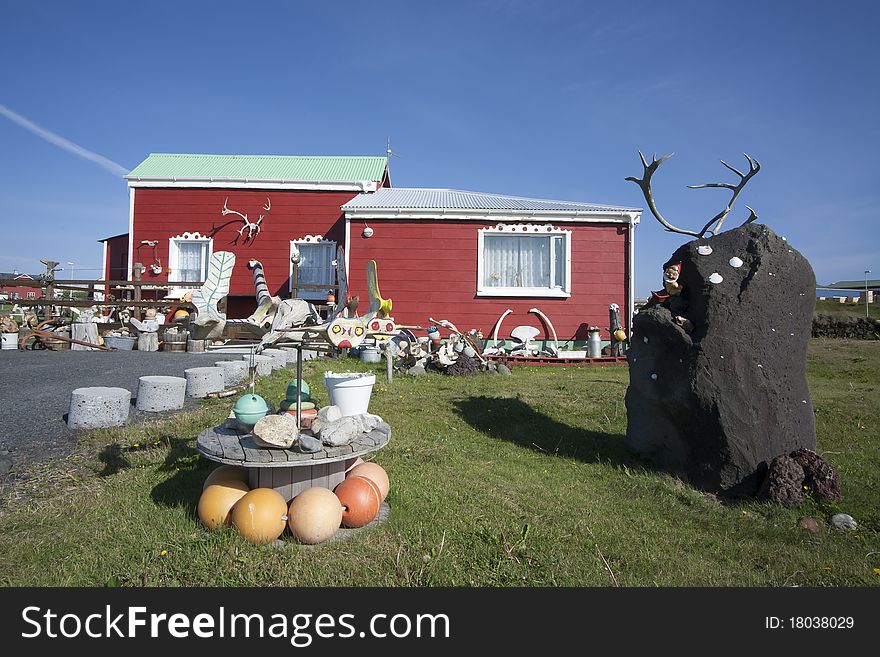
<point>202,381</point>
<point>93,408</point>
<point>235,372</point>
<point>279,358</point>
<point>160,393</point>
<point>289,354</point>
<point>263,363</point>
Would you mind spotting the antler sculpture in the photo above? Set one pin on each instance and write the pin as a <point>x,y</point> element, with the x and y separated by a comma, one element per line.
<point>252,227</point>
<point>645,184</point>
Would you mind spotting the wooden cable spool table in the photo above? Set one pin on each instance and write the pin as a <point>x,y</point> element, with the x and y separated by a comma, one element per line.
<point>286,470</point>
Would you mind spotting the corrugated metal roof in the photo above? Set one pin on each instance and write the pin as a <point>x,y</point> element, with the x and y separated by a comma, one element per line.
<point>853,285</point>
<point>261,167</point>
<point>393,198</point>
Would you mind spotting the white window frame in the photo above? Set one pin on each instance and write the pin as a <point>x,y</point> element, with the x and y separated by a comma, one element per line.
<point>174,257</point>
<point>532,230</point>
<point>311,295</point>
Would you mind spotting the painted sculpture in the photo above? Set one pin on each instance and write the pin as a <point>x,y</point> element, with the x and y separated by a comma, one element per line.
<point>717,358</point>
<point>210,322</point>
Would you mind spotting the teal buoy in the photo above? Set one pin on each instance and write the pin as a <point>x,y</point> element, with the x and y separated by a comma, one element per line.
<point>291,392</point>
<point>249,409</point>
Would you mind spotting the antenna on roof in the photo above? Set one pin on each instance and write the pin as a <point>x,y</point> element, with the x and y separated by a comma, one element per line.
<point>388,150</point>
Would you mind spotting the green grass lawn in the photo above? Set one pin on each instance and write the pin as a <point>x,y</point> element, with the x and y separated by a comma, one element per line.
<point>848,309</point>
<point>495,481</point>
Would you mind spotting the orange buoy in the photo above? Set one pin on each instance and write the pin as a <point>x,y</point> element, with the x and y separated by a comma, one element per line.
<point>224,474</point>
<point>375,473</point>
<point>260,516</point>
<point>314,515</point>
<point>217,501</point>
<point>360,499</point>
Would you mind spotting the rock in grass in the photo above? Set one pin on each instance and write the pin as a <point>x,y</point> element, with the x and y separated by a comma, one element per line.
<point>843,521</point>
<point>416,370</point>
<point>276,431</point>
<point>809,524</point>
<point>5,466</point>
<point>819,476</point>
<point>784,484</point>
<point>503,369</point>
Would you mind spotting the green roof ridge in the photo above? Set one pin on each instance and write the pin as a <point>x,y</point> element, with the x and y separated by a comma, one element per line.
<point>261,167</point>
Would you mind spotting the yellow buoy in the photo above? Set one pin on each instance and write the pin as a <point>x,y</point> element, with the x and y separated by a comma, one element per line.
<point>314,515</point>
<point>226,473</point>
<point>217,501</point>
<point>260,516</point>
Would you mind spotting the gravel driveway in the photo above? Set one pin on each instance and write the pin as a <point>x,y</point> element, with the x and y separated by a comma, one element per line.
<point>35,389</point>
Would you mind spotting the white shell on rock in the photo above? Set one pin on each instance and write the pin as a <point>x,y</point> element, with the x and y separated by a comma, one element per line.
<point>736,262</point>
<point>716,278</point>
<point>704,249</point>
<point>653,377</point>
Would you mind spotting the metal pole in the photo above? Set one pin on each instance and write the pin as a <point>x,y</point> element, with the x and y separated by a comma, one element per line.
<point>299,383</point>
<point>867,271</point>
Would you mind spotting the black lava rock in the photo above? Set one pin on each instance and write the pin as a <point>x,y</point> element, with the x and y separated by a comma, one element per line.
<point>718,403</point>
<point>819,476</point>
<point>463,366</point>
<point>784,483</point>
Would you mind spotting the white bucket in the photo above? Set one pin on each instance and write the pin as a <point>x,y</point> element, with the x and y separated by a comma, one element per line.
<point>350,391</point>
<point>8,340</point>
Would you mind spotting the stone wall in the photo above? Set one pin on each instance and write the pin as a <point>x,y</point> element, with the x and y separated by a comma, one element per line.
<point>835,326</point>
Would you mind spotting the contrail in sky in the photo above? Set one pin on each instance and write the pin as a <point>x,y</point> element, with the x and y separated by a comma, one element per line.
<point>61,142</point>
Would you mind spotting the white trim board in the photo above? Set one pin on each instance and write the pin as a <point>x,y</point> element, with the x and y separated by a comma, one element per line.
<point>496,215</point>
<point>318,185</point>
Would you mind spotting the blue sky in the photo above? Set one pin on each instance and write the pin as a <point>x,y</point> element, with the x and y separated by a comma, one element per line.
<point>542,99</point>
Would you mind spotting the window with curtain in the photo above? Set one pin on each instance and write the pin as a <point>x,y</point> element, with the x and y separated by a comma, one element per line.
<point>534,264</point>
<point>317,267</point>
<point>188,259</point>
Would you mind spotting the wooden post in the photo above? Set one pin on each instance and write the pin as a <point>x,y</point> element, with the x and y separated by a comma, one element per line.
<point>50,295</point>
<point>388,366</point>
<point>136,271</point>
<point>148,342</point>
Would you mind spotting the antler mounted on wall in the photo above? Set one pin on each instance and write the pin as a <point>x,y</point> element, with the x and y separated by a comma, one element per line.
<point>645,184</point>
<point>253,228</point>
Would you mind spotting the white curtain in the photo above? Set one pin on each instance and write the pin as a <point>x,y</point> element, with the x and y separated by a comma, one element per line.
<point>517,261</point>
<point>191,261</point>
<point>316,267</point>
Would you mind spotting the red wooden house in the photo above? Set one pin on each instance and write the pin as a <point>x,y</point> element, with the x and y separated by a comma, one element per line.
<point>15,292</point>
<point>461,256</point>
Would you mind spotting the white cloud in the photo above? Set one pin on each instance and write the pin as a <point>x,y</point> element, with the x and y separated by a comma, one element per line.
<point>61,142</point>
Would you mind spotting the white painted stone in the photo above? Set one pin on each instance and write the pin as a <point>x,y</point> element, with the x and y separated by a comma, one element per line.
<point>704,249</point>
<point>736,262</point>
<point>276,431</point>
<point>329,413</point>
<point>716,278</point>
<point>341,432</point>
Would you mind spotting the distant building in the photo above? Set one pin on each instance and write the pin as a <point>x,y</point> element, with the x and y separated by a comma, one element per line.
<point>852,291</point>
<point>15,292</point>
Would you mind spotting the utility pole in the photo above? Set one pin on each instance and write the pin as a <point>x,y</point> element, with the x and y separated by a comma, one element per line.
<point>867,271</point>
